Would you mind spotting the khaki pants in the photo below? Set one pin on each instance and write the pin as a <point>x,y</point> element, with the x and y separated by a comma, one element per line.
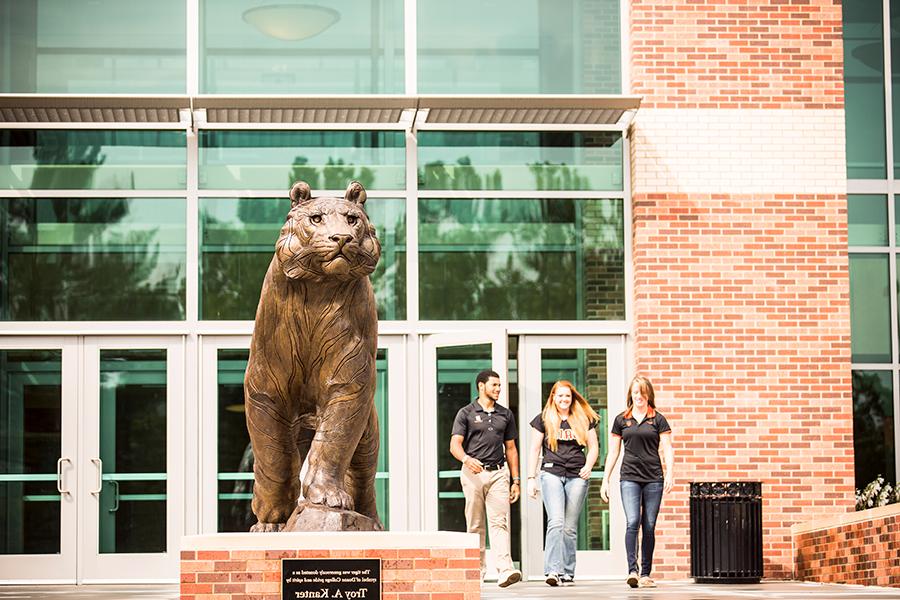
<point>488,492</point>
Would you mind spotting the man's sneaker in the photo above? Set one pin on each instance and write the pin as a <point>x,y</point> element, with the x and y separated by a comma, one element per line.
<point>632,580</point>
<point>567,580</point>
<point>646,582</point>
<point>552,580</point>
<point>509,577</point>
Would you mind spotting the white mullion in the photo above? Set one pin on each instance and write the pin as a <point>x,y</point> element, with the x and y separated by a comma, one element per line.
<point>523,194</point>
<point>868,186</point>
<point>412,227</point>
<point>888,95</point>
<point>627,228</point>
<point>889,154</point>
<point>625,44</point>
<point>192,237</point>
<point>106,193</point>
<point>283,193</point>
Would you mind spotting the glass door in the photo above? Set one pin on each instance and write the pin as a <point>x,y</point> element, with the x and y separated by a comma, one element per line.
<point>132,459</point>
<point>451,362</point>
<point>596,366</point>
<point>226,461</point>
<point>38,483</point>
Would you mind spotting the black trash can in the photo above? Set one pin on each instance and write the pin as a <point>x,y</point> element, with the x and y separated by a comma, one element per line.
<point>726,532</point>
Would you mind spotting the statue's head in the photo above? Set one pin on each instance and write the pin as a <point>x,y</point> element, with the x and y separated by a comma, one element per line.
<point>327,238</point>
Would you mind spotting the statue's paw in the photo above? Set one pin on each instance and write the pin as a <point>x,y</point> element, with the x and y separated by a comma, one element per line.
<point>263,527</point>
<point>328,495</point>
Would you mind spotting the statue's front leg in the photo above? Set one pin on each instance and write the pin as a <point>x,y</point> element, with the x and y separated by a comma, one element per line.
<point>340,427</point>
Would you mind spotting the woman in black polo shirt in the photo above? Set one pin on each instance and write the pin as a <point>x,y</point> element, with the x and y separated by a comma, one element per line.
<point>642,430</point>
<point>563,429</point>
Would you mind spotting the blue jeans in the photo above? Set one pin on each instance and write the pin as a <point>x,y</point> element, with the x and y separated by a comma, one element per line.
<point>563,500</point>
<point>641,502</point>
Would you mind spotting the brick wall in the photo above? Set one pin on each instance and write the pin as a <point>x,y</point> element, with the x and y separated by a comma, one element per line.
<point>864,551</point>
<point>737,54</point>
<point>741,289</point>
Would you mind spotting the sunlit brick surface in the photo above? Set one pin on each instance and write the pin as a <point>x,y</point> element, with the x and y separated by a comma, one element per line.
<point>407,574</point>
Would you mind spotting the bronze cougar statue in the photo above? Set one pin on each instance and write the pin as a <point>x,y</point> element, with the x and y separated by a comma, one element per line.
<point>310,384</point>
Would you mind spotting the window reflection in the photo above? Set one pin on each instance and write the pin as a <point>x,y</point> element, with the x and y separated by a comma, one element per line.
<point>96,47</point>
<point>77,259</point>
<point>333,47</point>
<point>52,159</point>
<point>238,239</point>
<point>518,160</point>
<point>549,47</point>
<point>543,259</point>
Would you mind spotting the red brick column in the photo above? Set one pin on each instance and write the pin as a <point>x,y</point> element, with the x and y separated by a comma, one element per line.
<point>741,286</point>
<point>239,567</point>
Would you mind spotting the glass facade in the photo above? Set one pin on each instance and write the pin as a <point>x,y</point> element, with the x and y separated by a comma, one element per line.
<point>53,159</point>
<point>237,237</point>
<point>334,47</point>
<point>137,241</point>
<point>96,47</point>
<point>524,259</point>
<point>864,89</point>
<point>92,259</point>
<point>550,47</point>
<point>326,160</point>
<point>520,160</point>
<point>873,229</point>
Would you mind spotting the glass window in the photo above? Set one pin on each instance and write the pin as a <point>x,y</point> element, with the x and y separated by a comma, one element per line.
<point>540,259</point>
<point>324,159</point>
<point>132,503</point>
<point>867,218</point>
<point>873,427</point>
<point>77,259</point>
<point>52,159</point>
<point>864,89</point>
<point>324,47</point>
<point>870,320</point>
<point>235,456</point>
<point>238,240</point>
<point>520,161</point>
<point>519,47</point>
<point>96,47</point>
<point>31,409</point>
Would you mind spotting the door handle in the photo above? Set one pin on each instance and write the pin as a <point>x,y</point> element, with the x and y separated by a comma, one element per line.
<point>59,476</point>
<point>99,464</point>
<point>115,485</point>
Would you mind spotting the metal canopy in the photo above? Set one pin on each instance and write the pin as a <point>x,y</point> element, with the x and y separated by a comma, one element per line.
<point>303,112</point>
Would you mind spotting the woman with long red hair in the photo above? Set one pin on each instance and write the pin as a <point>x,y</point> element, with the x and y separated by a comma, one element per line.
<point>642,481</point>
<point>565,427</point>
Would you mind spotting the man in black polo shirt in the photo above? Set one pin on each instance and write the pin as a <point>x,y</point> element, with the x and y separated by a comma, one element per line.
<point>484,440</point>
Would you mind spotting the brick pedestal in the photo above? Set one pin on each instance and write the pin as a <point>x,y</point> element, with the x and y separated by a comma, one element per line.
<point>414,566</point>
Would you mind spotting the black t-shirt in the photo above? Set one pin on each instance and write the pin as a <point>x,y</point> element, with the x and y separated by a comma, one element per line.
<point>568,459</point>
<point>484,433</point>
<point>641,440</point>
